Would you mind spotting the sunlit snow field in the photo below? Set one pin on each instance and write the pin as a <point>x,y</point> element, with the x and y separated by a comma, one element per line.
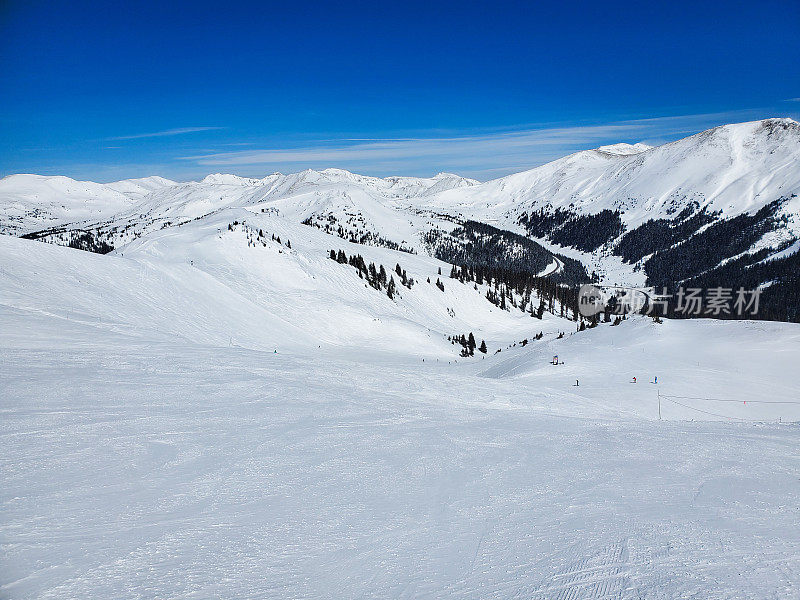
<point>194,416</point>
<point>139,468</point>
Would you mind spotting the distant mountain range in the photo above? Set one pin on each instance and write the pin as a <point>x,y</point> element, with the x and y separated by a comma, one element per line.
<point>719,208</point>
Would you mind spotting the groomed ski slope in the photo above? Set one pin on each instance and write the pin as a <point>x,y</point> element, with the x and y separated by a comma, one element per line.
<point>156,445</point>
<point>138,468</point>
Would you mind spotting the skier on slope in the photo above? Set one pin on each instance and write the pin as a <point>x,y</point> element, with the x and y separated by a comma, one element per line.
<point>634,380</point>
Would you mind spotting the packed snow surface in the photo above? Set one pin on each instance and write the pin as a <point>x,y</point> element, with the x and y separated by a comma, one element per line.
<point>180,421</point>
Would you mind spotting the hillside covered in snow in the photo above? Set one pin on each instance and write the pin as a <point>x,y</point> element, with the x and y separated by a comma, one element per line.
<point>210,412</point>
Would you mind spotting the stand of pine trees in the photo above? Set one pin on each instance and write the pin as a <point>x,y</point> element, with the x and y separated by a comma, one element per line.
<point>568,228</point>
<point>376,276</point>
<point>520,290</point>
<point>705,250</point>
<point>467,343</point>
<point>476,245</point>
<point>360,235</point>
<point>87,240</point>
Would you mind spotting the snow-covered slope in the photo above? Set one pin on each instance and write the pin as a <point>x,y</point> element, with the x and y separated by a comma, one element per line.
<point>259,281</point>
<point>217,281</point>
<point>265,283</point>
<point>156,445</point>
<point>138,188</point>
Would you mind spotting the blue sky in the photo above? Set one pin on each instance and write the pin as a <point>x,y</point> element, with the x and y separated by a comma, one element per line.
<point>110,90</point>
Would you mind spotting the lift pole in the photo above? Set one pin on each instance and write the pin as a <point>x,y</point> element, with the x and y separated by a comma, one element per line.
<point>659,405</point>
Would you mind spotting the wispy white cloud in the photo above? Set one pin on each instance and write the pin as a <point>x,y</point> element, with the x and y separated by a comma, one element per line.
<point>481,154</point>
<point>165,133</point>
<point>402,148</point>
<point>792,100</point>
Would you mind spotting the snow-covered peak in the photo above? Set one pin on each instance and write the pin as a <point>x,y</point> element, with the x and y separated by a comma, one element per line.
<point>623,149</point>
<point>140,187</point>
<point>761,136</point>
<point>342,173</point>
<point>228,179</point>
<point>153,181</point>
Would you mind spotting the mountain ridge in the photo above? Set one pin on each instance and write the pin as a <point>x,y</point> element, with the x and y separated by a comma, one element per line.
<point>722,203</point>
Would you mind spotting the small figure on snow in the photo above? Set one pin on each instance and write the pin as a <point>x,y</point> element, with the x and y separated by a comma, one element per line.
<point>634,380</point>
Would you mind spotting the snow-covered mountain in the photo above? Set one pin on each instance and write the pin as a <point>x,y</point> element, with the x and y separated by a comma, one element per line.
<point>728,170</point>
<point>719,208</point>
<point>733,169</point>
<point>34,202</point>
<point>53,208</point>
<point>716,208</point>
<point>30,203</point>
